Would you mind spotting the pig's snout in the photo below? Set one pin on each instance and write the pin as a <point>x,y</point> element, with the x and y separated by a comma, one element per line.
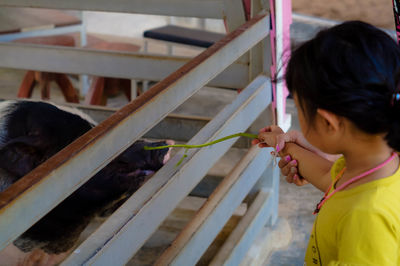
<point>168,154</point>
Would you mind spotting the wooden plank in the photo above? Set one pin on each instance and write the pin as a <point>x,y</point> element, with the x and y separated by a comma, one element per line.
<point>185,8</point>
<point>14,20</point>
<point>234,16</point>
<point>191,203</point>
<point>240,240</point>
<point>260,61</point>
<point>195,238</point>
<point>260,54</point>
<point>129,227</point>
<point>173,126</point>
<point>109,64</point>
<point>46,31</point>
<point>89,153</point>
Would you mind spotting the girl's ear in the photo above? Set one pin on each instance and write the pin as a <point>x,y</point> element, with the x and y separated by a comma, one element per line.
<point>329,120</point>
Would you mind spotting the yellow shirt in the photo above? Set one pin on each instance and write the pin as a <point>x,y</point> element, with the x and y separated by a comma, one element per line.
<point>358,226</point>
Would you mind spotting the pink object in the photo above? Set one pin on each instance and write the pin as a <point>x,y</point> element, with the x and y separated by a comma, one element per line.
<point>277,148</point>
<point>273,51</point>
<point>247,8</point>
<point>287,21</point>
<point>354,179</point>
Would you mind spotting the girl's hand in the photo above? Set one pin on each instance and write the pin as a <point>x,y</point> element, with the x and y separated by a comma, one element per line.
<point>273,136</point>
<point>289,169</point>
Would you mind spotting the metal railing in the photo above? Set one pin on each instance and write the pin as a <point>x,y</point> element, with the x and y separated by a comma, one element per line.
<point>122,235</point>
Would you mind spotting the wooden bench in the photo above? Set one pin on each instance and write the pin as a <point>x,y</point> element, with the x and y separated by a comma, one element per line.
<point>182,35</point>
<point>44,79</point>
<point>103,87</point>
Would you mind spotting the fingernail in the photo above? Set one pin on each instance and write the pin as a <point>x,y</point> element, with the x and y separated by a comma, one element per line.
<point>293,170</point>
<point>287,158</point>
<point>277,148</point>
<point>293,162</point>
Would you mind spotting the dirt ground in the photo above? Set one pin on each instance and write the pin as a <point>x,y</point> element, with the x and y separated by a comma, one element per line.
<point>376,12</point>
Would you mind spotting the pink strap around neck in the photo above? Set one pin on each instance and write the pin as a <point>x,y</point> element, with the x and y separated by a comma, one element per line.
<point>354,179</point>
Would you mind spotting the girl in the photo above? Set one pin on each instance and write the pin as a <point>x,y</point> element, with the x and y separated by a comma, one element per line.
<point>346,85</point>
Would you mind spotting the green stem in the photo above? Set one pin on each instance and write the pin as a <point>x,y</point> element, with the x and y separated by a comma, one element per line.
<point>247,135</point>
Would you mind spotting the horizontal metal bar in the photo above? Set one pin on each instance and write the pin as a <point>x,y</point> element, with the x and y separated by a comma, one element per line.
<point>174,126</point>
<point>43,32</point>
<point>63,173</point>
<point>130,226</point>
<point>184,8</point>
<point>240,240</point>
<point>177,127</point>
<point>199,233</point>
<point>107,63</point>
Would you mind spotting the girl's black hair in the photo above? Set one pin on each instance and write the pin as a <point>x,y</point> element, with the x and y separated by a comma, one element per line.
<point>352,70</point>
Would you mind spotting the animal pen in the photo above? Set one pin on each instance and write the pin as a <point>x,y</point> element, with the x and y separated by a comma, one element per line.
<point>242,59</point>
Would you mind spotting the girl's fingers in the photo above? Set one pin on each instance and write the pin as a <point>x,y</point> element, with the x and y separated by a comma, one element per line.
<point>276,129</point>
<point>260,144</point>
<point>285,170</point>
<point>299,181</point>
<point>284,161</point>
<point>281,140</point>
<point>265,129</point>
<point>289,179</point>
<point>289,168</point>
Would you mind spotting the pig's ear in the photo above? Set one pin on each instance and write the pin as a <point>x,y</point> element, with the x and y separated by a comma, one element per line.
<point>20,155</point>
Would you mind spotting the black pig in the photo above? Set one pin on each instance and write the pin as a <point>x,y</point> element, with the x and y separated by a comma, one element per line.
<point>30,133</point>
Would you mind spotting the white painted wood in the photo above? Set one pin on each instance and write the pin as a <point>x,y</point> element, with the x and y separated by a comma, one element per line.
<point>83,79</point>
<point>71,173</point>
<point>234,16</point>
<point>185,8</point>
<point>260,54</point>
<point>192,203</point>
<point>240,240</point>
<point>257,53</point>
<point>130,226</point>
<point>283,119</point>
<point>109,64</point>
<point>134,90</point>
<point>195,238</point>
<point>43,32</point>
<point>274,186</point>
